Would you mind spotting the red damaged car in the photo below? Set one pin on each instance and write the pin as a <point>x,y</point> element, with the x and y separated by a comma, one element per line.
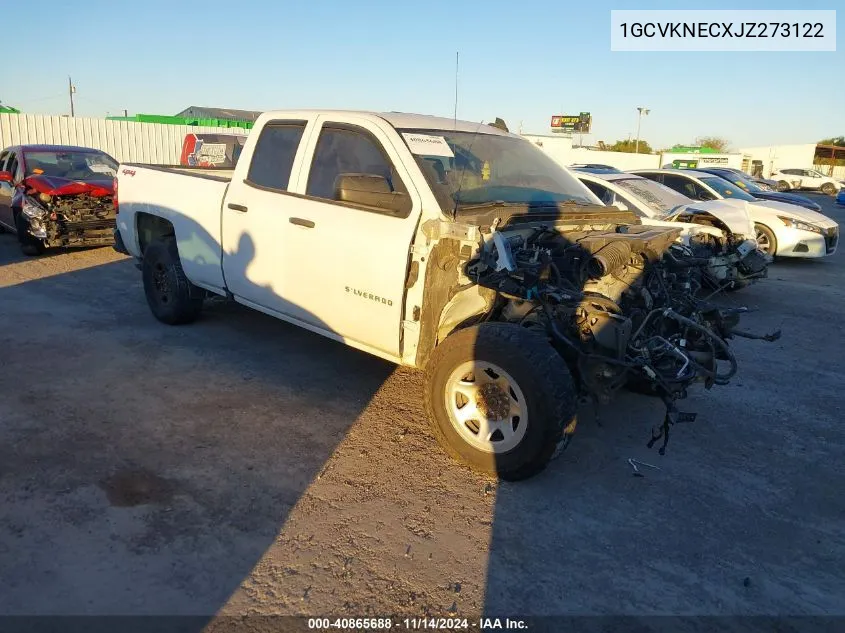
<point>57,195</point>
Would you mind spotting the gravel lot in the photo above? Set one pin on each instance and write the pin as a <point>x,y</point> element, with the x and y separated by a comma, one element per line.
<point>241,465</point>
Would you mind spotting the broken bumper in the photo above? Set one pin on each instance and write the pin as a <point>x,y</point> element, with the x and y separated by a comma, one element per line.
<point>94,232</point>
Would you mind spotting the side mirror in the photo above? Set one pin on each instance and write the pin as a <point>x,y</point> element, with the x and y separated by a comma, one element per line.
<point>371,190</point>
<point>6,176</point>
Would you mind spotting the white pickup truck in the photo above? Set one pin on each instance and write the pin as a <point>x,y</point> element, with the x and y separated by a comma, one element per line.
<point>445,245</point>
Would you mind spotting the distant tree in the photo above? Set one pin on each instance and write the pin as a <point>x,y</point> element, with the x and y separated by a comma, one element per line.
<point>499,123</point>
<point>629,146</point>
<point>713,142</point>
<point>836,140</point>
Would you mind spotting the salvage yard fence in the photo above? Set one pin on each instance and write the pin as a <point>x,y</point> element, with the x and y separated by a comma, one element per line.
<point>127,141</point>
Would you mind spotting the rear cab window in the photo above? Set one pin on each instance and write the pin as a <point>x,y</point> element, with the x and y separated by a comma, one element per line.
<point>275,150</point>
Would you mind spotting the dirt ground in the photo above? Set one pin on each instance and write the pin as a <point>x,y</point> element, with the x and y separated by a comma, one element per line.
<point>241,465</point>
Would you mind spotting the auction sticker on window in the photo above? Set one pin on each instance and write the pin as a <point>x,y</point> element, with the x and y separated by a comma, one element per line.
<point>427,145</point>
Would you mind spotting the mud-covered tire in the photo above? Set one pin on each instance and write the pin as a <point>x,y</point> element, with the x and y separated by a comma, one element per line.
<point>30,245</point>
<point>172,298</point>
<point>542,378</point>
<point>829,189</point>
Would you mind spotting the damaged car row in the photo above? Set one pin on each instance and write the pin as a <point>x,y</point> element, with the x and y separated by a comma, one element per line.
<point>522,289</point>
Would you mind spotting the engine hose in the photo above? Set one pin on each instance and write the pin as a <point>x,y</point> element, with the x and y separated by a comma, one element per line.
<point>558,335</point>
<point>608,259</point>
<point>691,262</point>
<point>645,322</point>
<point>554,329</point>
<point>719,379</point>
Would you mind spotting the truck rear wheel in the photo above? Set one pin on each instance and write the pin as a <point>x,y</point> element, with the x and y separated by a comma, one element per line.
<point>172,298</point>
<point>500,399</point>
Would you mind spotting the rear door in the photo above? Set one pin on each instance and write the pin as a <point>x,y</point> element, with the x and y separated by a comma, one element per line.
<point>255,216</point>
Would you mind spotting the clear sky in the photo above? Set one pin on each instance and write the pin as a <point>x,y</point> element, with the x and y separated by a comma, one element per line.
<point>523,61</point>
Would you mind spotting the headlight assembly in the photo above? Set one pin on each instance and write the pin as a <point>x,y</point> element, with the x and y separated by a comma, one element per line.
<point>801,225</point>
<point>32,210</point>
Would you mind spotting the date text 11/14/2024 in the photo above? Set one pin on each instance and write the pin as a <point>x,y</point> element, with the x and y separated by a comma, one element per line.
<point>415,624</point>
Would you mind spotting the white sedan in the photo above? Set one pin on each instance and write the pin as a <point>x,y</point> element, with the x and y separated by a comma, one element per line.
<point>719,230</point>
<point>784,230</point>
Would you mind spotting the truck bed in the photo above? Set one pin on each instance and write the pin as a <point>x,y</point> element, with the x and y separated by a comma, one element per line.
<point>191,199</point>
<point>224,175</point>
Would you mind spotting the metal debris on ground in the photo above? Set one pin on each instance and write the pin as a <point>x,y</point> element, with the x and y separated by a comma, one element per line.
<point>633,462</point>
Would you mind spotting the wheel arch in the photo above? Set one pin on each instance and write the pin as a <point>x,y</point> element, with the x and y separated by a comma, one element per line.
<point>150,227</point>
<point>772,231</point>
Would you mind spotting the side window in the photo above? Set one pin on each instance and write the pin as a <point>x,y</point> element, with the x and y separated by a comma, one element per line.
<point>618,197</point>
<point>601,191</point>
<point>3,156</point>
<point>275,150</point>
<point>12,165</point>
<point>349,150</point>
<point>681,185</point>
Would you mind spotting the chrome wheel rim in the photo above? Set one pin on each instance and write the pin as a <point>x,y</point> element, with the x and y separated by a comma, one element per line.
<point>486,407</point>
<point>763,242</point>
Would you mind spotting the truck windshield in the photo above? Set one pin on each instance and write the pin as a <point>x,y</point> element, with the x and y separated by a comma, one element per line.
<point>466,169</point>
<point>82,166</point>
<point>659,198</point>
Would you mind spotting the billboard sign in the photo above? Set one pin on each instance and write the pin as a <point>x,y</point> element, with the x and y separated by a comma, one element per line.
<point>572,124</point>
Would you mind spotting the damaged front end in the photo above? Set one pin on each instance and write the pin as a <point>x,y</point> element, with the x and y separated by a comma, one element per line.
<point>617,301</point>
<point>723,240</point>
<point>728,264</point>
<point>73,214</point>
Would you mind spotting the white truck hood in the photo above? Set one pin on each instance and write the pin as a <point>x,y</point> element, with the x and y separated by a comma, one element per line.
<point>796,212</point>
<point>734,213</point>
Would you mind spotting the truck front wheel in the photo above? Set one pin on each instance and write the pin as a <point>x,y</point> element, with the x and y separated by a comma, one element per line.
<point>500,399</point>
<point>172,298</point>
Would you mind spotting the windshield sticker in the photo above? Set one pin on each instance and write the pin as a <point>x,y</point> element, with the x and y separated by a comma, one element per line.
<point>427,145</point>
<point>101,168</point>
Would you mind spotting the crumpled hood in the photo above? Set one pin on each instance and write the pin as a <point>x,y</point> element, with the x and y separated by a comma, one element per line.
<point>734,213</point>
<point>798,213</point>
<point>56,186</point>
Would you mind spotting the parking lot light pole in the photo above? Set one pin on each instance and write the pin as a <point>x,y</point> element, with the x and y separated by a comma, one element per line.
<point>641,111</point>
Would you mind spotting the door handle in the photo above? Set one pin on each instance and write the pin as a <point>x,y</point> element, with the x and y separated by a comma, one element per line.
<point>308,224</point>
<point>237,207</point>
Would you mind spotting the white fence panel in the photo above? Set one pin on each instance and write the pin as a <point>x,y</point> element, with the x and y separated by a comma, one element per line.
<point>127,141</point>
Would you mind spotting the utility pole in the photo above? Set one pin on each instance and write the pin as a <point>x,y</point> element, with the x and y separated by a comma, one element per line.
<point>641,111</point>
<point>457,61</point>
<point>125,113</point>
<point>71,89</point>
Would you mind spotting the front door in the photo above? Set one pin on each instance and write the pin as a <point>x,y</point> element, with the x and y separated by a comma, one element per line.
<point>346,264</point>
